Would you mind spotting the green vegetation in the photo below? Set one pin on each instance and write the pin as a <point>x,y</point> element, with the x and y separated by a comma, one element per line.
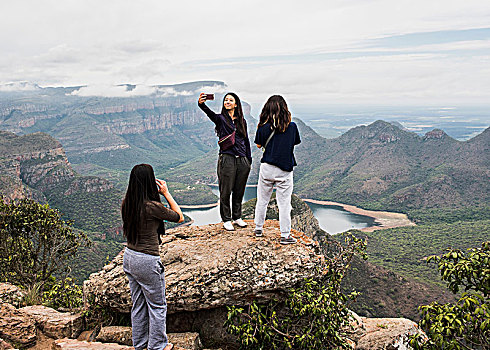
<point>403,249</point>
<point>10,143</point>
<point>314,314</point>
<point>35,243</point>
<point>92,258</point>
<point>64,294</point>
<point>466,323</point>
<point>437,215</point>
<point>97,211</point>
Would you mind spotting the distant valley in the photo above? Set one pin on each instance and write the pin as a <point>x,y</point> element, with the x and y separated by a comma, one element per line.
<point>108,135</point>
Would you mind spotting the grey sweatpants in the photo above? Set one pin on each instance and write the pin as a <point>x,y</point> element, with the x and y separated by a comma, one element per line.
<point>149,312</point>
<point>270,176</point>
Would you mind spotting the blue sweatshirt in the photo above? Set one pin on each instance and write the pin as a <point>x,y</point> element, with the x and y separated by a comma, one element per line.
<point>279,150</point>
<point>225,126</point>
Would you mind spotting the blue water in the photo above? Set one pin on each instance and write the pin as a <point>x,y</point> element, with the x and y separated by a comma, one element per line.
<point>333,219</point>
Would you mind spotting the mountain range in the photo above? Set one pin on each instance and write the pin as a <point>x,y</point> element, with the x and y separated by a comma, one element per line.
<point>376,166</point>
<point>108,135</point>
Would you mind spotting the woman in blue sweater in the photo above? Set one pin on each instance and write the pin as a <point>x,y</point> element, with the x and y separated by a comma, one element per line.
<point>278,134</point>
<point>234,159</point>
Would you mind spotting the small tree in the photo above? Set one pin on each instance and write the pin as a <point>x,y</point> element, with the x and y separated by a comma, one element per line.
<point>35,243</point>
<point>466,323</point>
<point>313,316</point>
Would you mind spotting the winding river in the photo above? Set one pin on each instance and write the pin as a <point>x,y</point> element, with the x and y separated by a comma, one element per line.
<point>333,219</point>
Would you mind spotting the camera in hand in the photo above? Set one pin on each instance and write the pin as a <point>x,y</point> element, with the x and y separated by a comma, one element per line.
<point>209,96</point>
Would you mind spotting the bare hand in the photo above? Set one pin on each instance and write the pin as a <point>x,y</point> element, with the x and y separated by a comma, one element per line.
<point>202,98</point>
<point>162,187</point>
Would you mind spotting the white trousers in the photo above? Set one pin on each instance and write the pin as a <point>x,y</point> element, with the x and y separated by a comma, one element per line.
<point>270,176</point>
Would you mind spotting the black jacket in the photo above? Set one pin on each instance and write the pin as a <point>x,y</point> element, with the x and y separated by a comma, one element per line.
<point>225,126</point>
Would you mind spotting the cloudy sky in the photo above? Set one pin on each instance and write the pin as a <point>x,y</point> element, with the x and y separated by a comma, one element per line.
<point>319,52</point>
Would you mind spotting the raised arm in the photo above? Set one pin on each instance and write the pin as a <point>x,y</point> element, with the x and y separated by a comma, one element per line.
<point>201,103</point>
<point>163,190</point>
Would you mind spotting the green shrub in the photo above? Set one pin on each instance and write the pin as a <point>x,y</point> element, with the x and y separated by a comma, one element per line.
<point>466,323</point>
<point>33,295</point>
<point>64,294</point>
<point>35,243</point>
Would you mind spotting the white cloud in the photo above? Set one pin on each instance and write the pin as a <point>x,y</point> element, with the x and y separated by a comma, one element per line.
<point>18,86</point>
<point>138,90</point>
<point>114,91</point>
<point>256,47</point>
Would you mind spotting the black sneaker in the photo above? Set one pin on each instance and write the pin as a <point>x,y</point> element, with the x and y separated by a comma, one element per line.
<point>258,233</point>
<point>288,240</point>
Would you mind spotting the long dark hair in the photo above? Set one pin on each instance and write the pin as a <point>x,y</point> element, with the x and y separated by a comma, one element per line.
<point>142,187</point>
<point>276,112</point>
<point>241,125</point>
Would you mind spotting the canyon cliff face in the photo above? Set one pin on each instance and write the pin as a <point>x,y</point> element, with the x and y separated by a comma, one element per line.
<point>33,165</point>
<point>111,134</point>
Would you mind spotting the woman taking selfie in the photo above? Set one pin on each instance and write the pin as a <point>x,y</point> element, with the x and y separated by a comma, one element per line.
<point>278,135</point>
<point>234,157</point>
<point>143,214</point>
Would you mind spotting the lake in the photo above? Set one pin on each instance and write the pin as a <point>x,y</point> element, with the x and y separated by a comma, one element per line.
<point>333,219</point>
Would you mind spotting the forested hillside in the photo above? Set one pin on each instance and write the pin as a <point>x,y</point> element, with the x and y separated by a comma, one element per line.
<point>35,166</point>
<point>380,166</point>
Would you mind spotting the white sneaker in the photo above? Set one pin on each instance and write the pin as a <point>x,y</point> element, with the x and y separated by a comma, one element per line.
<point>228,226</point>
<point>240,222</point>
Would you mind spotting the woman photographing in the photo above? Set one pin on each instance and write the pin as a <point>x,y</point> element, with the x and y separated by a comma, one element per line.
<point>234,159</point>
<point>143,214</point>
<point>278,135</point>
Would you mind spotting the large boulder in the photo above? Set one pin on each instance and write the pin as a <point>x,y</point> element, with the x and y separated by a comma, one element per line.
<point>11,294</point>
<point>208,267</point>
<point>387,334</point>
<point>122,335</point>
<point>115,334</point>
<point>16,326</point>
<point>4,345</point>
<point>302,218</point>
<point>53,323</point>
<point>73,344</point>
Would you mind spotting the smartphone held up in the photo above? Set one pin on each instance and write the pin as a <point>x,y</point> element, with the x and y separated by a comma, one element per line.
<point>209,96</point>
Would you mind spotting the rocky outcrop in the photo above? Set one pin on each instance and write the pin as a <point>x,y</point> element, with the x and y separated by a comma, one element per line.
<point>53,323</point>
<point>11,294</point>
<point>73,344</point>
<point>151,120</point>
<point>386,334</point>
<point>36,163</point>
<point>115,334</point>
<point>30,163</point>
<point>302,218</point>
<point>16,326</point>
<point>435,134</point>
<point>122,335</point>
<point>4,345</point>
<point>208,267</point>
<point>88,184</point>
